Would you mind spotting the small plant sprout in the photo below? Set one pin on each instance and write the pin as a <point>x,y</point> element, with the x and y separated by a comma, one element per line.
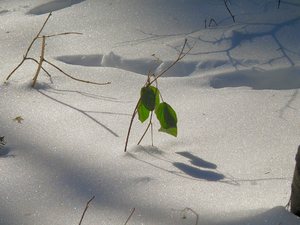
<point>151,102</point>
<point>42,59</point>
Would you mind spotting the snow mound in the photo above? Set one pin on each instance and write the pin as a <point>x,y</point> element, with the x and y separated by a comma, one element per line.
<point>280,79</point>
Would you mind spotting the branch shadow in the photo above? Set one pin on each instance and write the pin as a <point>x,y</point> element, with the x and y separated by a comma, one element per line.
<point>85,113</point>
<point>242,35</point>
<point>85,94</point>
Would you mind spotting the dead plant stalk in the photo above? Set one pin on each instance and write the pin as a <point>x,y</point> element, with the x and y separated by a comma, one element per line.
<point>42,57</point>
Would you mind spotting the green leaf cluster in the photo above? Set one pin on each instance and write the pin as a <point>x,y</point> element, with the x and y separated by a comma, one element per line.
<point>166,115</point>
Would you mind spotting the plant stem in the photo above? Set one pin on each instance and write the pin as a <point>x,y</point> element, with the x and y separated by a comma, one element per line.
<point>130,125</point>
<point>150,124</point>
<point>60,34</point>
<point>29,47</point>
<point>40,62</point>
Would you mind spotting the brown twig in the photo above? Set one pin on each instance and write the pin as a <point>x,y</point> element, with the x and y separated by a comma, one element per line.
<point>129,217</point>
<point>86,208</point>
<point>40,62</point>
<point>42,57</point>
<point>29,58</point>
<point>60,34</point>
<point>29,47</point>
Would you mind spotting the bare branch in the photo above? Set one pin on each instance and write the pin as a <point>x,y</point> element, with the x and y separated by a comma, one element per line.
<point>60,34</point>
<point>40,62</point>
<point>38,34</point>
<point>130,125</point>
<point>16,68</point>
<point>29,58</point>
<point>29,47</point>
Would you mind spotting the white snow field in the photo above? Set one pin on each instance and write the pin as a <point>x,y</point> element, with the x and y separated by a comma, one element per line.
<point>236,95</point>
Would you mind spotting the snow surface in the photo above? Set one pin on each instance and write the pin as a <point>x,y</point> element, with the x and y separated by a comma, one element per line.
<point>236,95</point>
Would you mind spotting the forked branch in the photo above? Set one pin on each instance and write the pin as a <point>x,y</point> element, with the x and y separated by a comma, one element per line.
<point>42,57</point>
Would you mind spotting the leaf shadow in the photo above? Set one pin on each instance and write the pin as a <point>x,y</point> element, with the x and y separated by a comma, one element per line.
<point>199,173</point>
<point>196,161</point>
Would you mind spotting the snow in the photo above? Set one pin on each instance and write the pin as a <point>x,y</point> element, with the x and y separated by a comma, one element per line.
<point>236,95</point>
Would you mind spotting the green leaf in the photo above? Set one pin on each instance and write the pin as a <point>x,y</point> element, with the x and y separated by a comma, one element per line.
<point>143,112</point>
<point>150,97</point>
<point>167,118</point>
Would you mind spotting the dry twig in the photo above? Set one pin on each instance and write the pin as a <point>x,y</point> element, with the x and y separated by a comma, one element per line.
<point>42,57</point>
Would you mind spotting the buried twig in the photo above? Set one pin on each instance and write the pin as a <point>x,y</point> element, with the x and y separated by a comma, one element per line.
<point>85,209</point>
<point>191,210</point>
<point>42,57</point>
<point>129,217</point>
<point>211,21</point>
<point>232,16</point>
